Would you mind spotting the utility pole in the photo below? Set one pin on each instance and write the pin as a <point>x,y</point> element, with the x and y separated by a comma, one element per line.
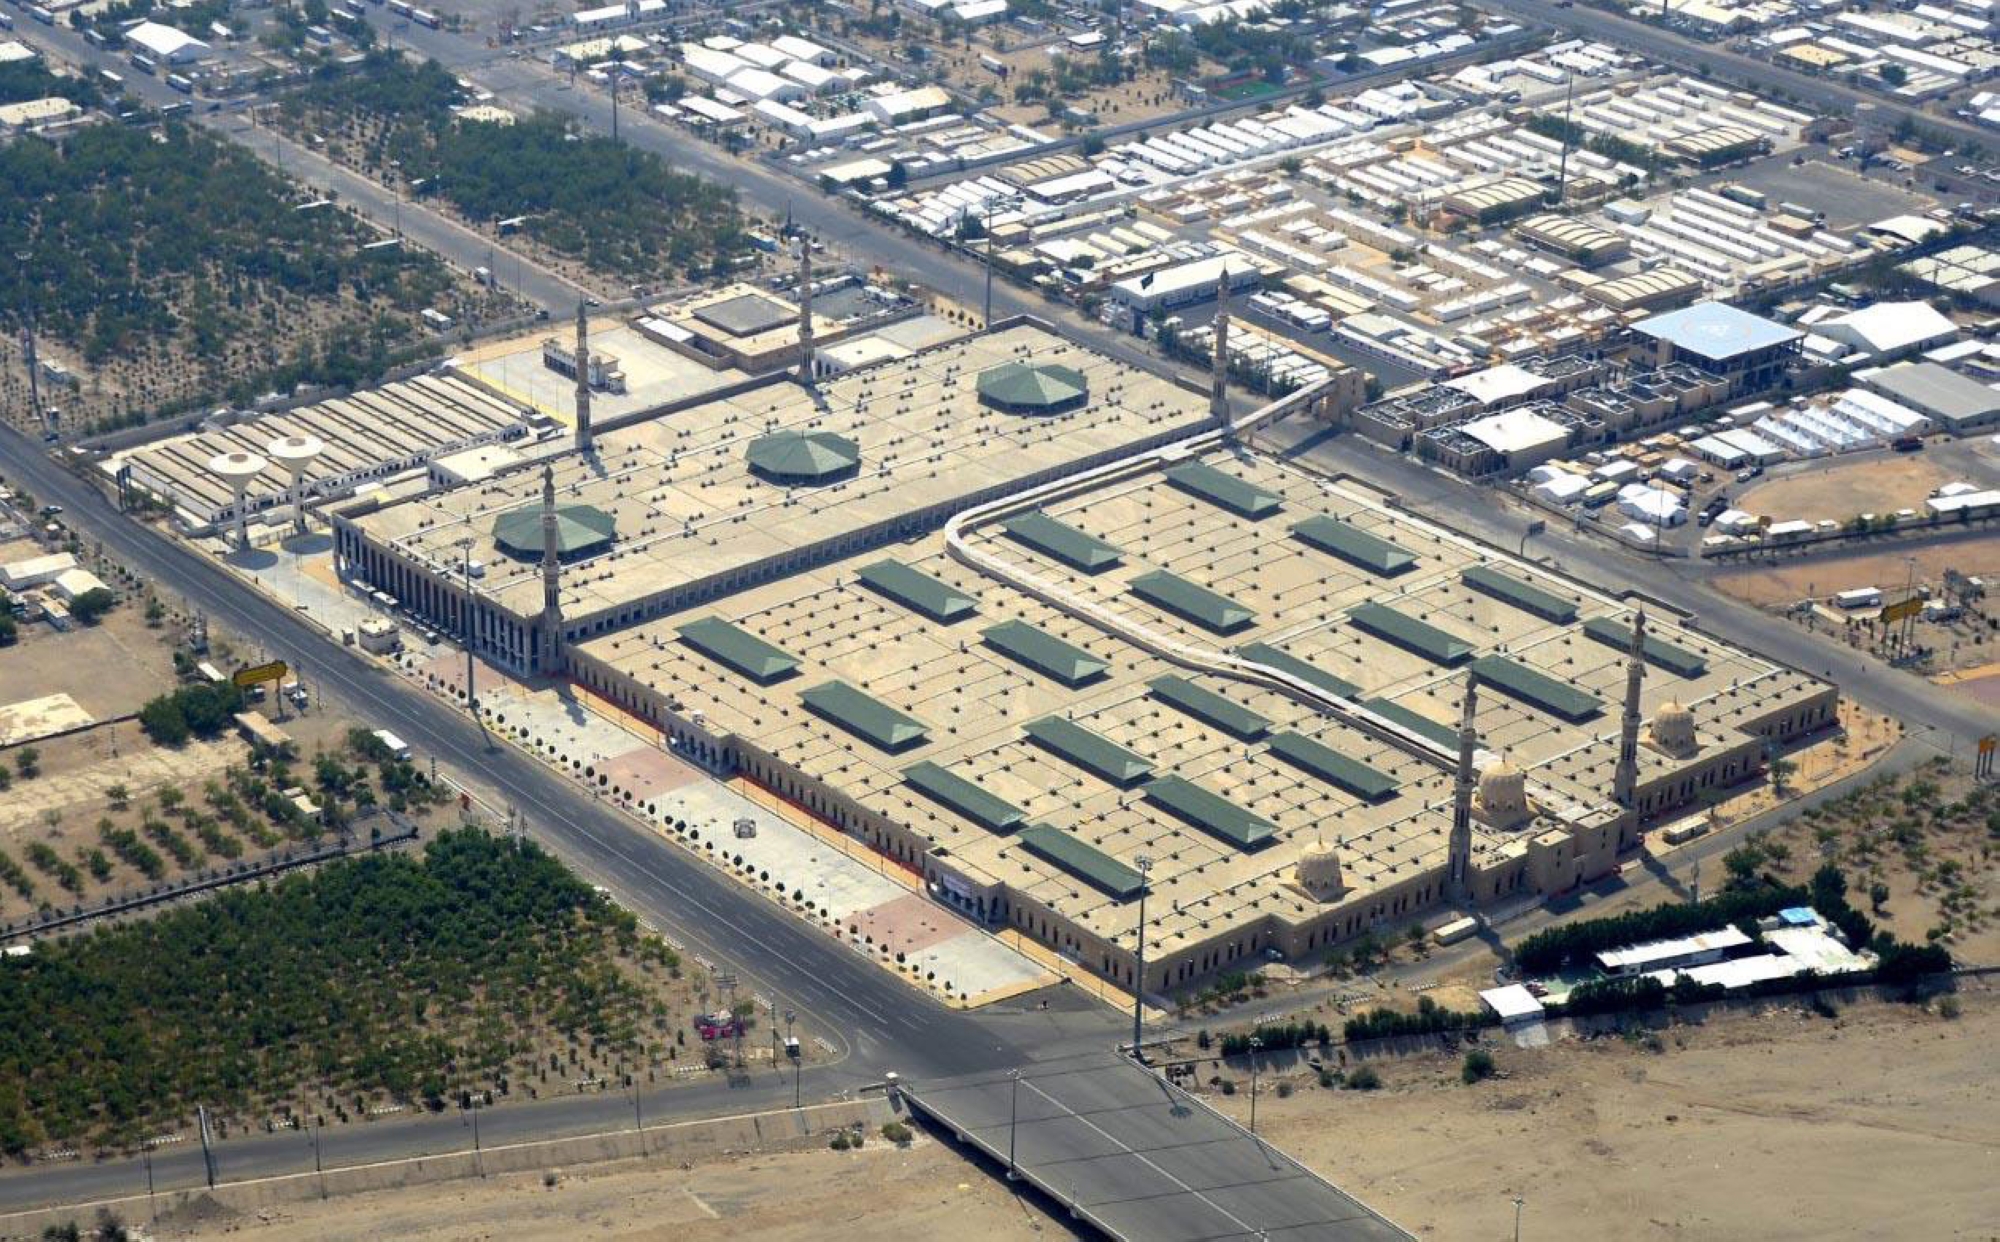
<point>318,1171</point>
<point>638,1117</point>
<point>986,323</point>
<point>1013,1120</point>
<point>1518,1201</point>
<point>28,338</point>
<point>1145,864</point>
<point>1562,167</point>
<point>207,1151</point>
<point>1256,1045</point>
<point>478,1156</point>
<point>798,1062</point>
<point>614,107</point>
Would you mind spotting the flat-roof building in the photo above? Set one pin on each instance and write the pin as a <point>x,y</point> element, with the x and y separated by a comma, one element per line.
<point>1749,351</point>
<point>1957,402</point>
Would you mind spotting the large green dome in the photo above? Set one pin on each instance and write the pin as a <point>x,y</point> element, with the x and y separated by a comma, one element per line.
<point>803,457</point>
<point>1032,387</point>
<point>580,530</point>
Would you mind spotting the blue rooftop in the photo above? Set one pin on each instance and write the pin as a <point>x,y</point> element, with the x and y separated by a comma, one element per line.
<point>1797,916</point>
<point>1717,331</point>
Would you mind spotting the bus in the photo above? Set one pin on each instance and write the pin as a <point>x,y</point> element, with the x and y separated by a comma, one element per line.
<point>143,63</point>
<point>400,8</point>
<point>115,81</point>
<point>425,18</point>
<point>181,82</point>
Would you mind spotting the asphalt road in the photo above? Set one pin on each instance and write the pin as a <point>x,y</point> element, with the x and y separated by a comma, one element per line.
<point>1143,1160</point>
<point>1830,96</point>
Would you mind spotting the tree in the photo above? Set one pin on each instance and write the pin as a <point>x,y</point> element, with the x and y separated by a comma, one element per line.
<point>898,176</point>
<point>28,762</point>
<point>10,629</point>
<point>1478,1066</point>
<point>91,606</point>
<point>1782,771</point>
<point>1894,74</point>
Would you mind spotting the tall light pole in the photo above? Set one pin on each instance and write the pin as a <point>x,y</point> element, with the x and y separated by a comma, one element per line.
<point>1013,1119</point>
<point>1145,865</point>
<point>1256,1045</point>
<point>25,256</point>
<point>638,1117</point>
<point>986,324</point>
<point>798,1060</point>
<point>478,1158</point>
<point>1518,1201</point>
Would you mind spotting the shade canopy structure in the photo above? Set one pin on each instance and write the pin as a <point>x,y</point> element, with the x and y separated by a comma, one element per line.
<point>1032,387</point>
<point>580,530</point>
<point>803,457</point>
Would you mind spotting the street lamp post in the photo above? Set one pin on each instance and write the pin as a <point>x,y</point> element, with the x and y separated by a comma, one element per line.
<point>1518,1201</point>
<point>798,1060</point>
<point>1256,1044</point>
<point>1145,865</point>
<point>1013,1119</point>
<point>465,570</point>
<point>318,1170</point>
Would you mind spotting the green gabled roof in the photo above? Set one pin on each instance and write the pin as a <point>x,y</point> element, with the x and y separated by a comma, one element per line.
<point>1032,386</point>
<point>961,795</point>
<point>865,717</point>
<point>1195,602</point>
<point>1209,707</point>
<point>1333,767</point>
<point>738,649</point>
<point>1422,725</point>
<point>1511,590</point>
<point>1676,660</point>
<point>1063,542</point>
<point>1354,545</point>
<point>919,592</point>
<point>1086,862</point>
<point>1211,813</point>
<point>803,456</point>
<point>1407,632</point>
<point>1536,689</point>
<point>1098,755</point>
<point>1043,652</point>
<point>1265,653</point>
<point>1221,488</point>
<point>579,529</point>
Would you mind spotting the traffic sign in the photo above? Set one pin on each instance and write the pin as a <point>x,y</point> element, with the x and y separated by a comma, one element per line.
<point>250,675</point>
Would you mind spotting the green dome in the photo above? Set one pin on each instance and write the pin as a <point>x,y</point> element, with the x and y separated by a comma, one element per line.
<point>1032,387</point>
<point>803,457</point>
<point>580,530</point>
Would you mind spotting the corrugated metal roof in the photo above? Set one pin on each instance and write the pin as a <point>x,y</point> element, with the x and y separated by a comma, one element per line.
<point>1209,707</point>
<point>1197,603</point>
<point>1333,767</point>
<point>1219,487</point>
<point>1063,542</point>
<point>919,592</point>
<point>866,717</point>
<point>1211,812</point>
<point>1676,660</point>
<point>1511,590</point>
<point>1407,632</point>
<point>1265,653</point>
<point>1536,689</point>
<point>1098,755</point>
<point>1085,862</point>
<point>1436,731</point>
<point>738,649</point>
<point>1353,545</point>
<point>1044,652</point>
<point>961,795</point>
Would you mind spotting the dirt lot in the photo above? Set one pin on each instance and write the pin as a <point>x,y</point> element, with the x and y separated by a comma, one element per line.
<point>1787,581</point>
<point>1839,490</point>
<point>880,1191</point>
<point>1776,1126</point>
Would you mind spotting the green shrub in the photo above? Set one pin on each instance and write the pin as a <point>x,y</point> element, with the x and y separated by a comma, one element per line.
<point>1364,1079</point>
<point>1478,1066</point>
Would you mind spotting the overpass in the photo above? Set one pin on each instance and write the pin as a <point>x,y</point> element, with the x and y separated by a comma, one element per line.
<point>1140,1159</point>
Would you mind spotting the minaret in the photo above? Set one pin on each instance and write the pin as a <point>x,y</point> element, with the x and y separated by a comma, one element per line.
<point>551,576</point>
<point>1218,393</point>
<point>584,441</point>
<point>1459,867</point>
<point>805,311</point>
<point>1626,781</point>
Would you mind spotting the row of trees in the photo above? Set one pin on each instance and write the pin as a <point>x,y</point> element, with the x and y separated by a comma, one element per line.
<point>387,975</point>
<point>616,209</point>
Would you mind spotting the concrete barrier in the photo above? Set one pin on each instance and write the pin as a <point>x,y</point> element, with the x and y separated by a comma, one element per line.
<point>665,1145</point>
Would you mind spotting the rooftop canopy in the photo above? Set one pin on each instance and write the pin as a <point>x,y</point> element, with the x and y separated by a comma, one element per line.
<point>1032,387</point>
<point>580,530</point>
<point>803,457</point>
<point>1716,331</point>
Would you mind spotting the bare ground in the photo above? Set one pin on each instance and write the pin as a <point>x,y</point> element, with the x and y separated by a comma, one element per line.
<point>1783,1125</point>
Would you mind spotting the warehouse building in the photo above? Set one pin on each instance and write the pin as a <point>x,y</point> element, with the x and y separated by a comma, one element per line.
<point>1579,241</point>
